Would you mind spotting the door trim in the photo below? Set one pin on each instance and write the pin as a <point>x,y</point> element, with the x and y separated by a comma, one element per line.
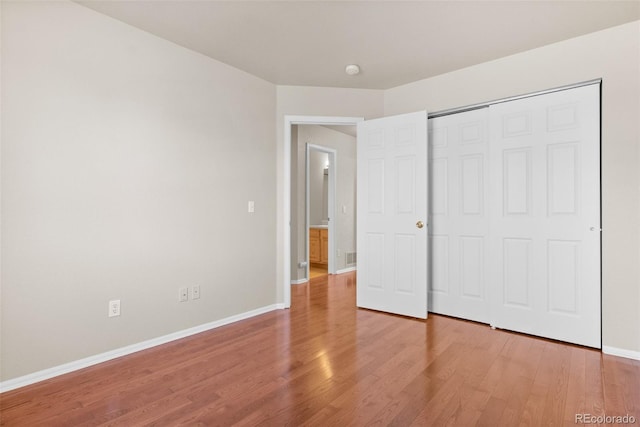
<point>479,105</point>
<point>290,120</point>
<point>331,205</point>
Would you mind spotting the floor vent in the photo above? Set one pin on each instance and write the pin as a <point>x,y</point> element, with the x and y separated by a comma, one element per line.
<point>351,258</point>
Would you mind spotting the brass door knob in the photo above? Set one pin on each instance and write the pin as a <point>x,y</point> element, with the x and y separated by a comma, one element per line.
<point>419,224</point>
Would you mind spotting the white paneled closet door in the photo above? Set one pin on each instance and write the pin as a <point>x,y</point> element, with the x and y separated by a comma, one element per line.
<point>458,215</point>
<point>544,267</point>
<point>392,212</point>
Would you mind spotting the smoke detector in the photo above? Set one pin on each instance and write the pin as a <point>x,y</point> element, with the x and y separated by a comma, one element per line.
<point>352,69</point>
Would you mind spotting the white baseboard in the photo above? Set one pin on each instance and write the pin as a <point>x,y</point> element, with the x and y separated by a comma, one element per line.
<point>133,348</point>
<point>299,281</point>
<point>621,352</point>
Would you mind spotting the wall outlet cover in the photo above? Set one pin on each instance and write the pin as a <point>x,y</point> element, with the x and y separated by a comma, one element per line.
<point>114,308</point>
<point>183,294</point>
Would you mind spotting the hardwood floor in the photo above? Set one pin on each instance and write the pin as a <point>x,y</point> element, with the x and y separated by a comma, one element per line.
<point>326,363</point>
<point>317,272</point>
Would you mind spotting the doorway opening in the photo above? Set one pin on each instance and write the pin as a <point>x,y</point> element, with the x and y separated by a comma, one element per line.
<point>320,174</point>
<point>292,261</point>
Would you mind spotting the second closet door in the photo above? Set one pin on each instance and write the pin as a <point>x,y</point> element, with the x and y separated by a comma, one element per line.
<point>458,216</point>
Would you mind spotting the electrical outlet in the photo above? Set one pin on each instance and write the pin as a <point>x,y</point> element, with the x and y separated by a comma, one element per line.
<point>337,253</point>
<point>183,294</point>
<point>195,292</point>
<point>114,308</point>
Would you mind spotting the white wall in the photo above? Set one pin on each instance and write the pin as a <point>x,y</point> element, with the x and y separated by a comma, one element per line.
<point>127,164</point>
<point>314,101</point>
<point>613,55</point>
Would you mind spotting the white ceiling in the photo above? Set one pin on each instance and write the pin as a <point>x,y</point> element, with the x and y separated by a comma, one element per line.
<point>394,42</point>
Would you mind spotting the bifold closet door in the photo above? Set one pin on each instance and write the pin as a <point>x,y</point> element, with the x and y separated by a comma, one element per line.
<point>544,267</point>
<point>392,211</point>
<point>458,215</point>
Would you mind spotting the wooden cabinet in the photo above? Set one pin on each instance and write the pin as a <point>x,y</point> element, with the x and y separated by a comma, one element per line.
<point>324,245</point>
<point>318,246</point>
<point>314,245</point>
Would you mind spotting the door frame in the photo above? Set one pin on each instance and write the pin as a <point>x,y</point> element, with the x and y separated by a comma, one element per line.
<point>289,121</point>
<point>331,205</point>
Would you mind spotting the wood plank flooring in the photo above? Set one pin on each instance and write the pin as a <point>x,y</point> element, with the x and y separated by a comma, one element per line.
<point>315,272</point>
<point>326,363</point>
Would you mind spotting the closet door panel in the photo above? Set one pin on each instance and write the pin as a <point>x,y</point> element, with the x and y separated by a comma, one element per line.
<point>458,221</point>
<point>545,215</point>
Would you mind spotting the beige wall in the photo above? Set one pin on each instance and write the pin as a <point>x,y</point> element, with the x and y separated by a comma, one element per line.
<point>613,55</point>
<point>314,101</point>
<point>127,164</point>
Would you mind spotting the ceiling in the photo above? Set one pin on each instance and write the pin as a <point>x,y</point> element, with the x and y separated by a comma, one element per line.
<point>395,42</point>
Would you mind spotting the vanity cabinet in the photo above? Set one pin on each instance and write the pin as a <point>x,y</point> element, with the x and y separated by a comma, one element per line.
<point>318,246</point>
